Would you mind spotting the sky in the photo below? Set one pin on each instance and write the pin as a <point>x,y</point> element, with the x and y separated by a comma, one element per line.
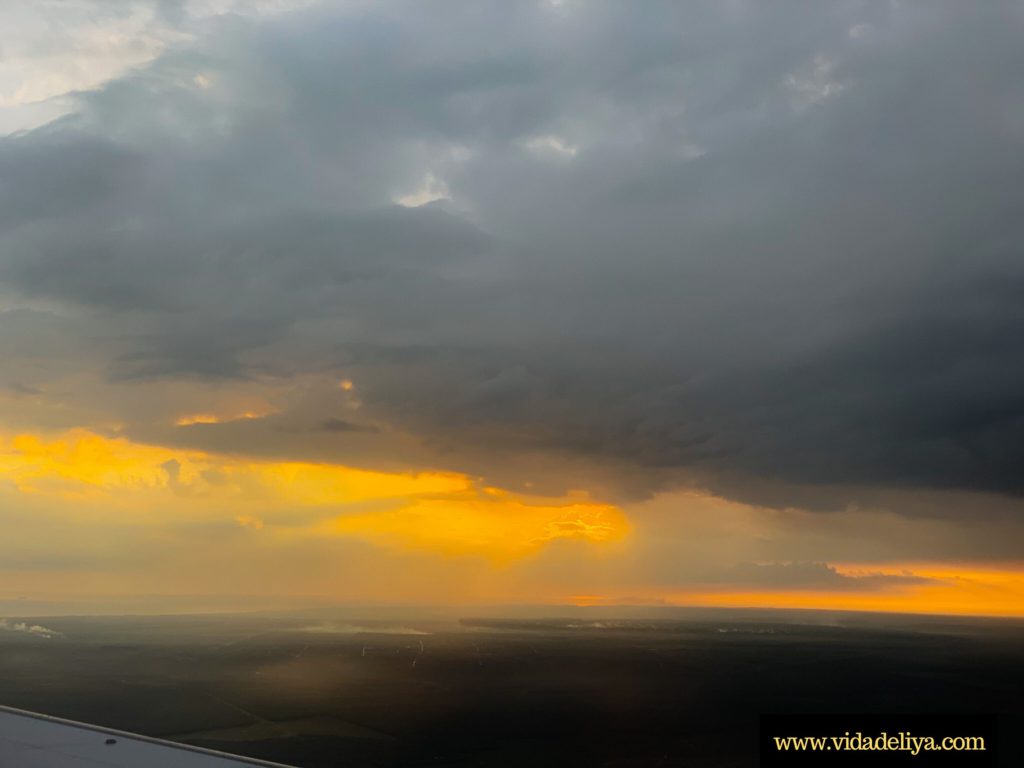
<point>533,302</point>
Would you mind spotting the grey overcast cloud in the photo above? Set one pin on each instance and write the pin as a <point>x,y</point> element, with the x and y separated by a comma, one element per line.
<point>767,254</point>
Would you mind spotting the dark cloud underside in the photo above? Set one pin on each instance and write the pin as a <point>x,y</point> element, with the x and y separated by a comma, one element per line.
<point>762,245</point>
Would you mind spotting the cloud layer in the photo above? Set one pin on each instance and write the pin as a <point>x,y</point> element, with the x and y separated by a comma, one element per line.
<point>769,251</point>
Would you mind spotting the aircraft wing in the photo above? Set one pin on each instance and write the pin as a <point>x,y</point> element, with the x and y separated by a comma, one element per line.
<point>31,740</point>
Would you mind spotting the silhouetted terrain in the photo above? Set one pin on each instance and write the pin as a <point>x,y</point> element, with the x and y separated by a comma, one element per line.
<point>499,692</point>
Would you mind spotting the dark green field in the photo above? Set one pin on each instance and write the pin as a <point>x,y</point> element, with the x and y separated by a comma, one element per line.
<point>321,692</point>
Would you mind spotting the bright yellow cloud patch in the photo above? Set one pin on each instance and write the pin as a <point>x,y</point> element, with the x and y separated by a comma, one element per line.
<point>497,525</point>
<point>81,462</point>
<point>429,511</point>
<point>325,484</point>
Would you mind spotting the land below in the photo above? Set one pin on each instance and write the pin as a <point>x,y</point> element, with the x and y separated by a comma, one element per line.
<point>587,689</point>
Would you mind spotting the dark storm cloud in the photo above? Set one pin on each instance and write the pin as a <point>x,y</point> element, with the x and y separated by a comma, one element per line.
<point>771,247</point>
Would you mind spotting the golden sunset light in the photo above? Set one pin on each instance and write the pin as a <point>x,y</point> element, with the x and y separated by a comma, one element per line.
<point>996,591</point>
<point>78,474</point>
<point>510,382</point>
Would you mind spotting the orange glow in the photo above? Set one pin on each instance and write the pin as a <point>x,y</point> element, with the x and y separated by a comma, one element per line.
<point>498,525</point>
<point>968,590</point>
<point>328,484</point>
<point>81,493</point>
<point>83,462</point>
<point>80,461</point>
<point>445,513</point>
<point>584,601</point>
